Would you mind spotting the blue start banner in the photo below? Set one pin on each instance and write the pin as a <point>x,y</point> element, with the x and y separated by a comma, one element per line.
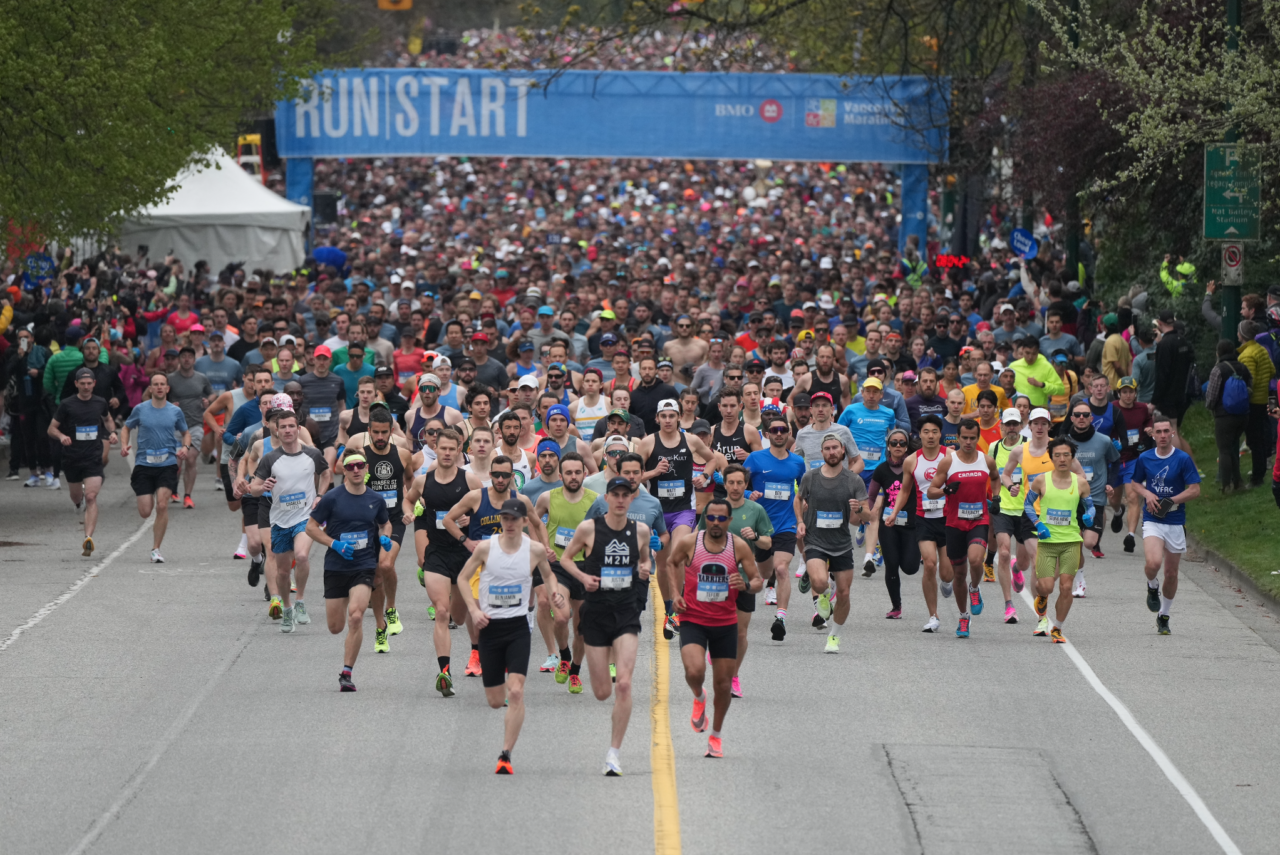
<point>416,112</point>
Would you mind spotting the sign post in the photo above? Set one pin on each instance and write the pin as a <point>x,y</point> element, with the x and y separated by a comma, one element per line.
<point>1232,212</point>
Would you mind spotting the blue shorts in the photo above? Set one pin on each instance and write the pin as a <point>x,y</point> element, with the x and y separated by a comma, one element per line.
<point>687,518</point>
<point>282,538</point>
<point>1126,471</point>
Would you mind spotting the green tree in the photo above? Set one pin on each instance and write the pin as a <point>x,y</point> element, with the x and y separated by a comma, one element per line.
<point>104,101</point>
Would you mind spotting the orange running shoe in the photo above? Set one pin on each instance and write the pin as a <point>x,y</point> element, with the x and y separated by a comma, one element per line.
<point>1056,635</point>
<point>714,747</point>
<point>698,719</point>
<point>473,664</point>
<point>1041,605</point>
<point>504,765</point>
<point>187,503</point>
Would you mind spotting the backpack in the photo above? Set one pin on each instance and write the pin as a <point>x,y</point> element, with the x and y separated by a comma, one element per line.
<point>1235,394</point>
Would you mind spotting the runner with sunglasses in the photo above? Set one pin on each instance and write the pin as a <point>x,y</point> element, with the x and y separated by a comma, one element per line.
<point>388,465</point>
<point>1009,525</point>
<point>1099,457</point>
<point>775,472</point>
<point>352,521</point>
<point>897,542</point>
<point>719,570</point>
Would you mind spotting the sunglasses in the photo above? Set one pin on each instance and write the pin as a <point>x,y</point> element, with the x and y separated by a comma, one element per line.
<point>684,326</point>
<point>733,376</point>
<point>614,453</point>
<point>555,376</point>
<point>1082,415</point>
<point>499,474</point>
<point>779,430</point>
<point>430,388</point>
<point>433,431</point>
<point>353,467</point>
<point>876,372</point>
<point>715,518</point>
<point>897,443</point>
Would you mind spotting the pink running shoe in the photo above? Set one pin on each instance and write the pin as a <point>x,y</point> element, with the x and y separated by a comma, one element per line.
<point>1011,615</point>
<point>896,614</point>
<point>736,689</point>
<point>1018,581</point>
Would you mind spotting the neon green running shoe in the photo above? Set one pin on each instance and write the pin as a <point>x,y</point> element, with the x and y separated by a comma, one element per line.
<point>613,672</point>
<point>575,684</point>
<point>380,641</point>
<point>824,605</point>
<point>431,612</point>
<point>562,672</point>
<point>394,627</point>
<point>444,683</point>
<point>422,580</point>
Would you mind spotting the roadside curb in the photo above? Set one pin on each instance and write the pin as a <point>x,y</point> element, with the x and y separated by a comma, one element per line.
<point>1234,575</point>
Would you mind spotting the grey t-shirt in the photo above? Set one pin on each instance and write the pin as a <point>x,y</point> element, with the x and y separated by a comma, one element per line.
<point>809,444</point>
<point>707,381</point>
<point>535,487</point>
<point>1094,455</point>
<point>295,489</point>
<point>826,513</point>
<point>326,398</point>
<point>188,393</point>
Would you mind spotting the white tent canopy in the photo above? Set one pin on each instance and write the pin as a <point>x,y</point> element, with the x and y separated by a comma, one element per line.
<point>222,214</point>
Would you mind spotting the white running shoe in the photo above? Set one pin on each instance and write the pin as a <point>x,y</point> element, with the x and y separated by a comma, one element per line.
<point>946,588</point>
<point>156,557</point>
<point>800,570</point>
<point>33,481</point>
<point>55,484</point>
<point>770,596</point>
<point>1078,590</point>
<point>931,625</point>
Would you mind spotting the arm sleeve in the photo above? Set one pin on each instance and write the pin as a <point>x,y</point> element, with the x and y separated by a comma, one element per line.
<point>1029,506</point>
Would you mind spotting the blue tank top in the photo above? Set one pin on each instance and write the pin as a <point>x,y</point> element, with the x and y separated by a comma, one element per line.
<point>521,370</point>
<point>450,399</point>
<point>485,522</point>
<point>266,449</point>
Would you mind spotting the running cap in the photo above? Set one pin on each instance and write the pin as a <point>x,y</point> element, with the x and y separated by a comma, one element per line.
<point>1040,413</point>
<point>622,414</point>
<point>1011,415</point>
<point>618,483</point>
<point>700,426</point>
<point>668,405</point>
<point>512,508</point>
<point>323,350</point>
<point>872,382</point>
<point>528,381</point>
<point>618,440</point>
<point>281,401</point>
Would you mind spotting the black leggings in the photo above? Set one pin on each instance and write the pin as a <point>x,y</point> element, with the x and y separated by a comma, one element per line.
<point>901,552</point>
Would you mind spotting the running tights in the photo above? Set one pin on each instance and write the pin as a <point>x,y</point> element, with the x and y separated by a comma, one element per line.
<point>901,553</point>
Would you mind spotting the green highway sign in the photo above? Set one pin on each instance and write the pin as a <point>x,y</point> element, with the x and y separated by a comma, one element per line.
<point>1232,192</point>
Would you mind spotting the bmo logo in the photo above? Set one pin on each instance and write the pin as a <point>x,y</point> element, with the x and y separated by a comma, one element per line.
<point>770,111</point>
<point>735,110</point>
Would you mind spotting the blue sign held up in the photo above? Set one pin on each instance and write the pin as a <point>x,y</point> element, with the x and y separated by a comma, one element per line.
<point>1024,243</point>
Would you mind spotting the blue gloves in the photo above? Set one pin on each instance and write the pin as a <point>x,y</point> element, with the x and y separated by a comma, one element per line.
<point>1116,443</point>
<point>1042,531</point>
<point>386,543</point>
<point>344,548</point>
<point>655,542</point>
<point>1088,517</point>
<point>718,478</point>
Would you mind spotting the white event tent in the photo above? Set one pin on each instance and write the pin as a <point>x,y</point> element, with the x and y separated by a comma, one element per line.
<point>222,214</point>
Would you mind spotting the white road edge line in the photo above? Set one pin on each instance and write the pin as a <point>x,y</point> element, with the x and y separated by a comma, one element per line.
<point>175,730</point>
<point>1180,783</point>
<point>49,608</point>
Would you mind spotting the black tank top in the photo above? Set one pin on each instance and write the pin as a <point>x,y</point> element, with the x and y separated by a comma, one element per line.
<point>613,557</point>
<point>437,500</point>
<point>357,426</point>
<point>832,388</point>
<point>727,445</point>
<point>674,488</point>
<point>386,478</point>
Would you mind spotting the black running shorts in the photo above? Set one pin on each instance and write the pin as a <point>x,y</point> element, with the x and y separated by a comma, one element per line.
<point>958,543</point>
<point>337,586</point>
<point>504,649</point>
<point>835,563</point>
<point>147,480</point>
<point>720,641</point>
<point>602,624</point>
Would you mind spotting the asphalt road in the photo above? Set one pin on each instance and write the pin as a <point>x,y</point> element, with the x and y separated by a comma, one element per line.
<point>157,709</point>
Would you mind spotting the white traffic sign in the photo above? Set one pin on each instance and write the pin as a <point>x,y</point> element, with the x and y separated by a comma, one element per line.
<point>1232,263</point>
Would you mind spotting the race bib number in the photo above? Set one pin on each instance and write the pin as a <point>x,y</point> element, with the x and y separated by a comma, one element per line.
<point>933,504</point>
<point>830,519</point>
<point>321,414</point>
<point>901,518</point>
<point>713,584</point>
<point>404,375</point>
<point>1016,475</point>
<point>971,510</point>
<point>872,453</point>
<point>776,491</point>
<point>563,536</point>
<point>440,515</point>
<point>1133,437</point>
<point>84,434</point>
<point>388,496</point>
<point>506,595</point>
<point>1088,472</point>
<point>293,501</point>
<point>670,489</point>
<point>814,464</point>
<point>615,578</point>
<point>218,388</point>
<point>157,456</point>
<point>358,539</point>
<point>1057,516</point>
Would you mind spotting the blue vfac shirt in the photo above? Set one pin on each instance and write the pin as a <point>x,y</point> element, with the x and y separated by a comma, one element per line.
<point>776,480</point>
<point>1166,477</point>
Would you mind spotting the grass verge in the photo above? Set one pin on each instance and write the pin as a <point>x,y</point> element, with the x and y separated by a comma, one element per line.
<point>1240,527</point>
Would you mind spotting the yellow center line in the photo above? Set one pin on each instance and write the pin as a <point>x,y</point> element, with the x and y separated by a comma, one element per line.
<point>662,759</point>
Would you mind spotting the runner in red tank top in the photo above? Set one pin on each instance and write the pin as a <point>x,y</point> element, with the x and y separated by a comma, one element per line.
<point>964,479</point>
<point>717,565</point>
<point>918,470</point>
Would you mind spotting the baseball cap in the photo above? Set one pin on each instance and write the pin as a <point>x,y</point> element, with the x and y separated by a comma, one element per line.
<point>622,414</point>
<point>81,373</point>
<point>443,360</point>
<point>1128,383</point>
<point>824,396</point>
<point>548,445</point>
<point>383,371</point>
<point>546,310</point>
<point>512,508</point>
<point>1061,356</point>
<point>801,399</point>
<point>197,328</point>
<point>608,313</point>
<point>1166,316</point>
<point>281,401</point>
<point>1011,415</point>
<point>480,337</point>
<point>757,364</point>
<point>668,405</point>
<point>266,339</point>
<point>1040,413</point>
<point>215,334</point>
<point>618,440</point>
<point>528,381</point>
<point>1111,318</point>
<point>524,346</point>
<point>428,379</point>
<point>873,382</point>
<point>700,426</point>
<point>805,335</point>
<point>796,313</point>
<point>810,305</point>
<point>909,377</point>
<point>1005,307</point>
<point>73,333</point>
<point>173,351</point>
<point>323,350</point>
<point>607,339</point>
<point>618,483</point>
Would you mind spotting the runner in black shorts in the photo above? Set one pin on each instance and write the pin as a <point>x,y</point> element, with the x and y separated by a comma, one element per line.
<point>617,554</point>
<point>388,465</point>
<point>441,555</point>
<point>83,426</point>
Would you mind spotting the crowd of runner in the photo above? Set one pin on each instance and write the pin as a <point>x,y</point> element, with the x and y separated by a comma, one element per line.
<point>564,379</point>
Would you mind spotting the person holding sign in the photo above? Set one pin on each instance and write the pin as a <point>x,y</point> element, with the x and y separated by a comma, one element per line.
<point>719,568</point>
<point>506,564</point>
<point>353,521</point>
<point>1057,493</point>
